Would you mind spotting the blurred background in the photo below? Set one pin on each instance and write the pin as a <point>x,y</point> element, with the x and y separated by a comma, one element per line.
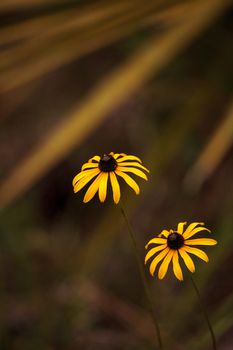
<point>80,78</point>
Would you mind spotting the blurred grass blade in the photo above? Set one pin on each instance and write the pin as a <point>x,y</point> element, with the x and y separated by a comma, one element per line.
<point>212,155</point>
<point>116,88</point>
<point>20,66</point>
<point>79,24</point>
<point>55,23</point>
<point>8,5</point>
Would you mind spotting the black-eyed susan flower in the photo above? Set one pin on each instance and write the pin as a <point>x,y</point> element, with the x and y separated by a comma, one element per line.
<point>109,166</point>
<point>171,245</point>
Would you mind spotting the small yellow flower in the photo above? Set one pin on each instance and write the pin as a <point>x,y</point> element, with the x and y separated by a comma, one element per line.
<point>173,244</point>
<point>108,166</point>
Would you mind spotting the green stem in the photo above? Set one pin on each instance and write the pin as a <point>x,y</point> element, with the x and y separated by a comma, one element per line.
<point>143,275</point>
<point>204,313</point>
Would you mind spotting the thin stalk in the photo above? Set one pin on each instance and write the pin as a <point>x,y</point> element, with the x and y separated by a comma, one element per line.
<point>142,275</point>
<point>204,313</point>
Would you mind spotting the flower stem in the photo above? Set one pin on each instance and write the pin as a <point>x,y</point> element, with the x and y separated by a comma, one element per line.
<point>204,313</point>
<point>143,275</point>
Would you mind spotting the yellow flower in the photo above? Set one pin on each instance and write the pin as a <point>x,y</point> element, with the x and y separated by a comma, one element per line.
<point>111,165</point>
<point>173,244</point>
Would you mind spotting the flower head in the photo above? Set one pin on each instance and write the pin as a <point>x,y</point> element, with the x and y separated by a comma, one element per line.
<point>109,166</point>
<point>174,244</point>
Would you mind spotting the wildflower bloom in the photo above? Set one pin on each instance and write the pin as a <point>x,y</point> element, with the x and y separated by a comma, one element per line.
<point>175,244</point>
<point>109,166</point>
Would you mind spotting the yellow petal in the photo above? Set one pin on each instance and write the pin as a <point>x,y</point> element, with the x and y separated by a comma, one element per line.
<point>115,187</point>
<point>201,241</point>
<point>82,174</point>
<point>103,187</point>
<point>82,182</point>
<point>129,157</point>
<point>193,232</point>
<point>164,266</point>
<point>156,260</point>
<point>129,181</point>
<point>157,241</point>
<point>117,155</point>
<point>96,158</point>
<point>198,252</point>
<point>164,233</point>
<point>93,189</point>
<point>132,170</point>
<point>176,266</point>
<point>90,165</point>
<point>134,164</point>
<point>180,227</point>
<point>191,227</point>
<point>152,251</point>
<point>78,177</point>
<point>187,260</point>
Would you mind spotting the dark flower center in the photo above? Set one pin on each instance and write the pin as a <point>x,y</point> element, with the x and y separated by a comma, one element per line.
<point>175,240</point>
<point>107,163</point>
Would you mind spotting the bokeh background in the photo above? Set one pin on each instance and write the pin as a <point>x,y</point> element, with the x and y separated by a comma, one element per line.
<point>79,78</point>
